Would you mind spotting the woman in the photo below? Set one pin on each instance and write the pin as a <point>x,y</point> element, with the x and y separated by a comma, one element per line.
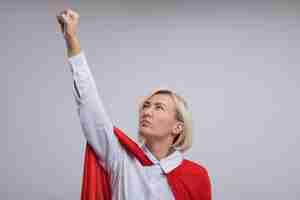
<point>151,170</point>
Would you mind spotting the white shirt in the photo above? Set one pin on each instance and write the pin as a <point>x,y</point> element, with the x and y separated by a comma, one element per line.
<point>129,179</point>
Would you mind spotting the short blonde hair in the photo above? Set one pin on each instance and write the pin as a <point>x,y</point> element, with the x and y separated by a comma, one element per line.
<point>183,141</point>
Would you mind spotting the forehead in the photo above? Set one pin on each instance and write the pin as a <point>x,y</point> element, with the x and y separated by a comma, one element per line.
<point>161,98</point>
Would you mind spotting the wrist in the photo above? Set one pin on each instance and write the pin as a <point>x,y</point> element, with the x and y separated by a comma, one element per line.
<point>70,38</point>
<point>73,45</point>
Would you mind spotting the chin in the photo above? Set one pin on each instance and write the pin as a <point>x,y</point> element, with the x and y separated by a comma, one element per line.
<point>145,131</point>
<point>148,133</point>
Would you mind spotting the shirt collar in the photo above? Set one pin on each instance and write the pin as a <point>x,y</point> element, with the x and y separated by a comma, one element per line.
<point>168,163</point>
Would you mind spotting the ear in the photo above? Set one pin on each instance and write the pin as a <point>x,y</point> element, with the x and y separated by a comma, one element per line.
<point>178,128</point>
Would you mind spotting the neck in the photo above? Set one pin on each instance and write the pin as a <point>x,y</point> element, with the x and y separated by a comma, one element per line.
<point>160,148</point>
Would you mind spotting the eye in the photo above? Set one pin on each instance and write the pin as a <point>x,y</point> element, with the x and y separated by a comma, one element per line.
<point>145,106</point>
<point>159,107</point>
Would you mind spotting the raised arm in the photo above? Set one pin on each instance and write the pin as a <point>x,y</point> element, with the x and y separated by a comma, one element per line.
<point>95,123</point>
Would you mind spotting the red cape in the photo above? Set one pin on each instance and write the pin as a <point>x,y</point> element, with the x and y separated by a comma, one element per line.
<point>188,181</point>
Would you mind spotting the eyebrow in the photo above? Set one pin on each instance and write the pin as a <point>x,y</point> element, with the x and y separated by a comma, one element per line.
<point>156,103</point>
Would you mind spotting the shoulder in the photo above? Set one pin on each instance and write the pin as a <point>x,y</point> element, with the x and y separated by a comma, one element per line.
<point>193,168</point>
<point>194,174</point>
<point>189,170</point>
<point>194,178</point>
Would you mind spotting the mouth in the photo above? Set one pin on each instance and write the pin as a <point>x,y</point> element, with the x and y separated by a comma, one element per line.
<point>145,123</point>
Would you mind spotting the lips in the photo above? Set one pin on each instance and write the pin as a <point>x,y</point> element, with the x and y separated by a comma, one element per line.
<point>145,122</point>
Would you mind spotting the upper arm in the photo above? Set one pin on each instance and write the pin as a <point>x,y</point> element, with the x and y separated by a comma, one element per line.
<point>98,131</point>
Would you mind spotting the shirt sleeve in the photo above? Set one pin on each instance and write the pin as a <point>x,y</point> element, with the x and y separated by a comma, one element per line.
<point>96,125</point>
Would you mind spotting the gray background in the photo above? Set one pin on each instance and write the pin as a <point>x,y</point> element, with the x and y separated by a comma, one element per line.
<point>237,64</point>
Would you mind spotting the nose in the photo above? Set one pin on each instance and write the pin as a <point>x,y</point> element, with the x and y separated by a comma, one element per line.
<point>147,112</point>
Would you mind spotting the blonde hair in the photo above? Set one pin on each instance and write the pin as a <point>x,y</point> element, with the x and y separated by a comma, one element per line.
<point>183,141</point>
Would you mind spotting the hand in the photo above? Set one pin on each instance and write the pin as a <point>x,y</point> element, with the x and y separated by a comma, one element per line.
<point>68,20</point>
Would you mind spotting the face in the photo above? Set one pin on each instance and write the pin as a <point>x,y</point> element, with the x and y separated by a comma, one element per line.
<point>157,117</point>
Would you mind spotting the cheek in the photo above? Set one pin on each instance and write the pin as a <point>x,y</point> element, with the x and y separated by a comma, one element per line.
<point>164,125</point>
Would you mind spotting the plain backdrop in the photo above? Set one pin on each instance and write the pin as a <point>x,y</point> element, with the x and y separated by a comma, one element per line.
<point>236,63</point>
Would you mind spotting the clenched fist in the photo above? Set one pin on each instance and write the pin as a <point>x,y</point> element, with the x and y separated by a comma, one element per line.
<point>68,20</point>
